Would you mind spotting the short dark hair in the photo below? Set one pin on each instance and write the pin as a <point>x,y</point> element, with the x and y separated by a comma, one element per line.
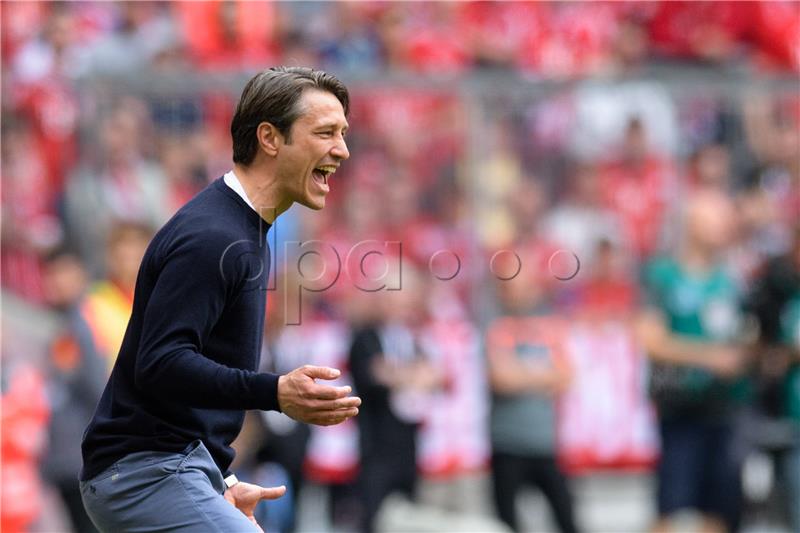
<point>272,96</point>
<point>59,252</point>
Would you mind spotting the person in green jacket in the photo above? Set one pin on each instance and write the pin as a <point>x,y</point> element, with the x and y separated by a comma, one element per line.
<point>690,329</point>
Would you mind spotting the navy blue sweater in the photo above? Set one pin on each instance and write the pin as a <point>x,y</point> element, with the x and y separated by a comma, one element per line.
<point>186,368</point>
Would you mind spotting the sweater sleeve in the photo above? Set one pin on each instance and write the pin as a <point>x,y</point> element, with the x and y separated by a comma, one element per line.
<point>187,300</point>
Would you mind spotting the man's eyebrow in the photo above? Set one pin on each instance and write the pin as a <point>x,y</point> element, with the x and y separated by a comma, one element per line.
<point>333,125</point>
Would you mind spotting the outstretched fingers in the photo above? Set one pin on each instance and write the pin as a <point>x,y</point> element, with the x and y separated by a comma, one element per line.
<point>331,418</point>
<point>332,405</point>
<point>320,372</point>
<point>272,493</point>
<point>326,392</point>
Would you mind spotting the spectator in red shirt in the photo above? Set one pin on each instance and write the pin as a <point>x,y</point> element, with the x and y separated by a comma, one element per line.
<point>497,32</point>
<point>573,39</point>
<point>229,35</point>
<point>29,222</point>
<point>41,89</point>
<point>610,292</point>
<point>424,38</point>
<point>777,34</point>
<point>638,187</point>
<point>23,416</point>
<point>709,31</point>
<point>20,22</point>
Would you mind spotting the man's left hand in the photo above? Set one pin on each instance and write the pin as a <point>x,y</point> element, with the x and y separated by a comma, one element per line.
<point>245,497</point>
<point>300,397</point>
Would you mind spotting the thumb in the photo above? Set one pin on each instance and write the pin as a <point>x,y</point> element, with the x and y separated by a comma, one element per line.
<point>272,493</point>
<point>321,372</point>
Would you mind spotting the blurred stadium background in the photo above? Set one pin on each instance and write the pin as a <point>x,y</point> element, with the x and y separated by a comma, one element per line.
<point>477,130</point>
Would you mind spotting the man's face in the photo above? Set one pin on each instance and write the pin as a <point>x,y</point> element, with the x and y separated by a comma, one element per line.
<point>124,257</point>
<point>64,281</point>
<point>317,148</point>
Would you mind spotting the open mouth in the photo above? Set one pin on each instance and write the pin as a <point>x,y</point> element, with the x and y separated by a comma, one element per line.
<point>322,172</point>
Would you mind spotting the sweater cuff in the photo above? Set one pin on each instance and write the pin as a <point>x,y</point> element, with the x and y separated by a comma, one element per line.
<point>266,385</point>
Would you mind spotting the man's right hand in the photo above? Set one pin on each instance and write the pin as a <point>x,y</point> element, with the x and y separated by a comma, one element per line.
<point>302,398</point>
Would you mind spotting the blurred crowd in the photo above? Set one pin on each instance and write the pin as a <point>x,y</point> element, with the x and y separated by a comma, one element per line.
<point>587,268</point>
<point>538,39</point>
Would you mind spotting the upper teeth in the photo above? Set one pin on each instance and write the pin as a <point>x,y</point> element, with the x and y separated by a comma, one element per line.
<point>327,169</point>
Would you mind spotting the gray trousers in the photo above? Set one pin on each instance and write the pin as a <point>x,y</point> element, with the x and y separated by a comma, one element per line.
<point>161,491</point>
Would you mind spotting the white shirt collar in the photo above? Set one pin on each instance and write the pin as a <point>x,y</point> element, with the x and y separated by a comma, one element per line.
<point>233,182</point>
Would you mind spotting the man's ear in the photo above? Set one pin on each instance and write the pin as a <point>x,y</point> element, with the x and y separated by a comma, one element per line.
<point>269,138</point>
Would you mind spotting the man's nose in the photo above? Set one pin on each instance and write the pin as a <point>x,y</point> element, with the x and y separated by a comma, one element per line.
<point>340,151</point>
